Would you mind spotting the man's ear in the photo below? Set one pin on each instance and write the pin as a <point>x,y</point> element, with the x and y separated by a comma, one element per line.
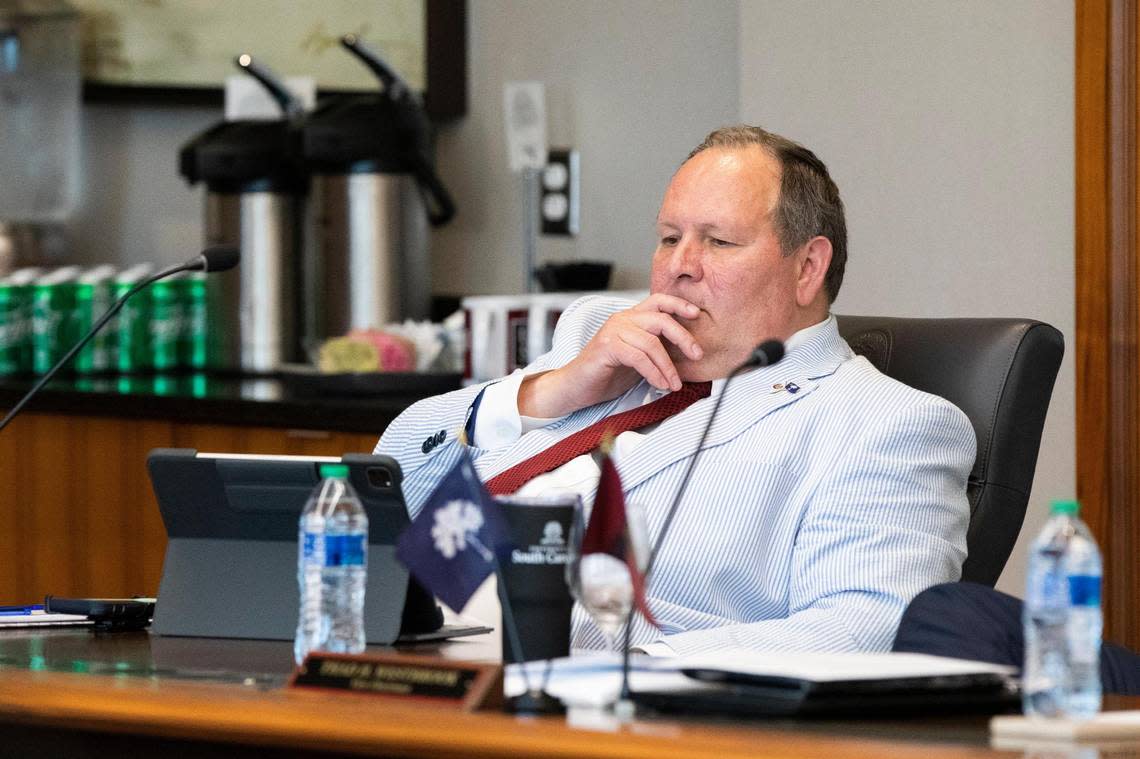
<point>815,259</point>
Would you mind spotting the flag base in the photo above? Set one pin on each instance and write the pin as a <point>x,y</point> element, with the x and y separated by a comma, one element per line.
<point>534,702</point>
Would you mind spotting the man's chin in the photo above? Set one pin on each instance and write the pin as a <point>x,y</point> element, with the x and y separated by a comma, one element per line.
<point>698,371</point>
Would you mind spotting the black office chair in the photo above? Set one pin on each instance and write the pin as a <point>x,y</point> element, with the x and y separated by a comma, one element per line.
<point>1000,372</point>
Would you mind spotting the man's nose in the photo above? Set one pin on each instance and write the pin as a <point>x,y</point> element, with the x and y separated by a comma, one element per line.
<point>686,259</point>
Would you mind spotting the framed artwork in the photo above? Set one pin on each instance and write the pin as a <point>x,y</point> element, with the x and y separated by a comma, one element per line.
<point>181,51</point>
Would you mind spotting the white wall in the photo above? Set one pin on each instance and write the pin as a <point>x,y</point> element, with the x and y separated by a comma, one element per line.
<point>948,127</point>
<point>135,207</point>
<point>634,85</point>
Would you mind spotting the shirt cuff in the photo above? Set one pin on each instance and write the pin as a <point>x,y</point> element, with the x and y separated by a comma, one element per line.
<point>497,420</point>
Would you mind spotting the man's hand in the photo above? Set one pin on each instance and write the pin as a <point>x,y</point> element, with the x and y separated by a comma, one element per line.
<point>628,347</point>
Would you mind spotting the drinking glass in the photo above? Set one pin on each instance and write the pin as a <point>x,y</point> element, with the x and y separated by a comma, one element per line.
<point>601,582</point>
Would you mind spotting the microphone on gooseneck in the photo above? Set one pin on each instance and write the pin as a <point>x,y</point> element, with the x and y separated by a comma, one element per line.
<point>766,353</point>
<point>212,259</point>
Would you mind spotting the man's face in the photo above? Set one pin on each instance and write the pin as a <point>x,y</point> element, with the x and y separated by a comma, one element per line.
<point>717,248</point>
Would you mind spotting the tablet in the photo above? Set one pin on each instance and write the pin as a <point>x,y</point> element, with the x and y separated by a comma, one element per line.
<point>231,559</point>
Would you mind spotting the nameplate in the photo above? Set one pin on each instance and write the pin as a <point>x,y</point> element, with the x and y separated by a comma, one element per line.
<point>461,684</point>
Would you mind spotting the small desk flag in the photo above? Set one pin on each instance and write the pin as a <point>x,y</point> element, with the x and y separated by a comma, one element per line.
<point>451,546</point>
<point>608,533</point>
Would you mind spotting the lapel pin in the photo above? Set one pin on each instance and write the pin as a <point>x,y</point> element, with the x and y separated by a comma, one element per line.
<point>792,388</point>
<point>777,387</point>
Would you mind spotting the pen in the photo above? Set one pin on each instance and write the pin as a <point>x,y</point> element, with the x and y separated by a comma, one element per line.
<point>16,611</point>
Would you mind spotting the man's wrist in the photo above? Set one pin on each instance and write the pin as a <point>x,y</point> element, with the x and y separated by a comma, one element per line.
<point>539,396</point>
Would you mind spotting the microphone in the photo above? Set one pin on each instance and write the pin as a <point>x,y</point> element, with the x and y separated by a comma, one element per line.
<point>212,259</point>
<point>217,258</point>
<point>766,353</point>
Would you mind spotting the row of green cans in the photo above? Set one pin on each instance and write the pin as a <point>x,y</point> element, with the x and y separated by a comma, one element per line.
<point>16,320</point>
<point>43,315</point>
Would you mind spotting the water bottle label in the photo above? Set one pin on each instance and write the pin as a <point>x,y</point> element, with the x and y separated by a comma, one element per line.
<point>310,545</point>
<point>344,550</point>
<point>1084,590</point>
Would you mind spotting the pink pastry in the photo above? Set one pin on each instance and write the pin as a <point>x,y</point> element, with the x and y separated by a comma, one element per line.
<point>396,353</point>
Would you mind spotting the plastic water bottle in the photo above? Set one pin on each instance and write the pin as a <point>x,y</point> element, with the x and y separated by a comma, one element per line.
<point>1062,619</point>
<point>332,555</point>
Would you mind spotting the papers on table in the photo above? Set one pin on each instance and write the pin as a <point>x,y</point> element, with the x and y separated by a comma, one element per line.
<point>35,616</point>
<point>594,680</point>
<point>838,667</point>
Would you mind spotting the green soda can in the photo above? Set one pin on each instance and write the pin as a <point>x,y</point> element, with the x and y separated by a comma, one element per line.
<point>16,321</point>
<point>53,317</point>
<point>196,348</point>
<point>165,325</point>
<point>11,328</point>
<point>93,296</point>
<point>129,331</point>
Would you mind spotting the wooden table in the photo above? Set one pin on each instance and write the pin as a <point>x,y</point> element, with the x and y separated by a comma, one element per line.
<point>69,692</point>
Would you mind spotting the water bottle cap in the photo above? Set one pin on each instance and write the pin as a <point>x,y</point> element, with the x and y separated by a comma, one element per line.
<point>340,471</point>
<point>1066,507</point>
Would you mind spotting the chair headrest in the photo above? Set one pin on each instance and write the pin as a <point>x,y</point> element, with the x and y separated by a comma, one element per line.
<point>999,372</point>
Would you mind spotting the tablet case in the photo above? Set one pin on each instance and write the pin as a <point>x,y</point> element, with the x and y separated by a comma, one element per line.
<point>231,558</point>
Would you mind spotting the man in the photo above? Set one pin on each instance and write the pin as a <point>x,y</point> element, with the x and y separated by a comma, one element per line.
<point>827,495</point>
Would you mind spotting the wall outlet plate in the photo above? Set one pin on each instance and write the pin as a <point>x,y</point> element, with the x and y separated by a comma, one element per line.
<point>558,193</point>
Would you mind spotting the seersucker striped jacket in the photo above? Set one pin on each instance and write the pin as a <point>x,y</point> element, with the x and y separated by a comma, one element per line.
<point>813,517</point>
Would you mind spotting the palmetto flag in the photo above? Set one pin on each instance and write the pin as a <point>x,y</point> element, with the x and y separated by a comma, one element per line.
<point>451,546</point>
<point>608,532</point>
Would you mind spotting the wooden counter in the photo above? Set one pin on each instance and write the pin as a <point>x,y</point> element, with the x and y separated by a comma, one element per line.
<point>144,694</point>
<point>77,515</point>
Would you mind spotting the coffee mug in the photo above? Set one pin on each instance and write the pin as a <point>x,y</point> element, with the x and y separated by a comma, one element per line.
<point>534,590</point>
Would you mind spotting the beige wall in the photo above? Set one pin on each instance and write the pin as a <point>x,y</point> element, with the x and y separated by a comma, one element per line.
<point>135,207</point>
<point>632,84</point>
<point>949,129</point>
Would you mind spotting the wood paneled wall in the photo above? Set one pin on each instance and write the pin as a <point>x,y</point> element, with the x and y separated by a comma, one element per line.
<point>77,514</point>
<point>1108,290</point>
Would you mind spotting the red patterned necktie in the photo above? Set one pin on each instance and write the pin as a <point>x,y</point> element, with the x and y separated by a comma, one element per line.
<point>587,439</point>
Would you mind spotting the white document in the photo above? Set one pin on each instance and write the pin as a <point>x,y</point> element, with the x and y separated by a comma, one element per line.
<point>40,618</point>
<point>838,667</point>
<point>595,679</point>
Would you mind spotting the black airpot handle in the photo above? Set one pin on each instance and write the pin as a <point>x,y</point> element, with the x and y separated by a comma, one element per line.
<point>289,103</point>
<point>394,86</point>
<point>440,206</point>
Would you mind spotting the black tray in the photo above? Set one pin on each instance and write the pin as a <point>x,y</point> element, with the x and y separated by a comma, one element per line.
<point>364,384</point>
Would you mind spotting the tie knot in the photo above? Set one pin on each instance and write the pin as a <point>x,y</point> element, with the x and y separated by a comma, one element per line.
<point>696,390</point>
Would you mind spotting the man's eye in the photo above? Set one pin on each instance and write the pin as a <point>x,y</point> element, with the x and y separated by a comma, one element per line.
<point>669,240</point>
<point>722,243</point>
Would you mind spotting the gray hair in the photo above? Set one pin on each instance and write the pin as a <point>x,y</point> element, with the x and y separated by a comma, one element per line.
<point>809,202</point>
